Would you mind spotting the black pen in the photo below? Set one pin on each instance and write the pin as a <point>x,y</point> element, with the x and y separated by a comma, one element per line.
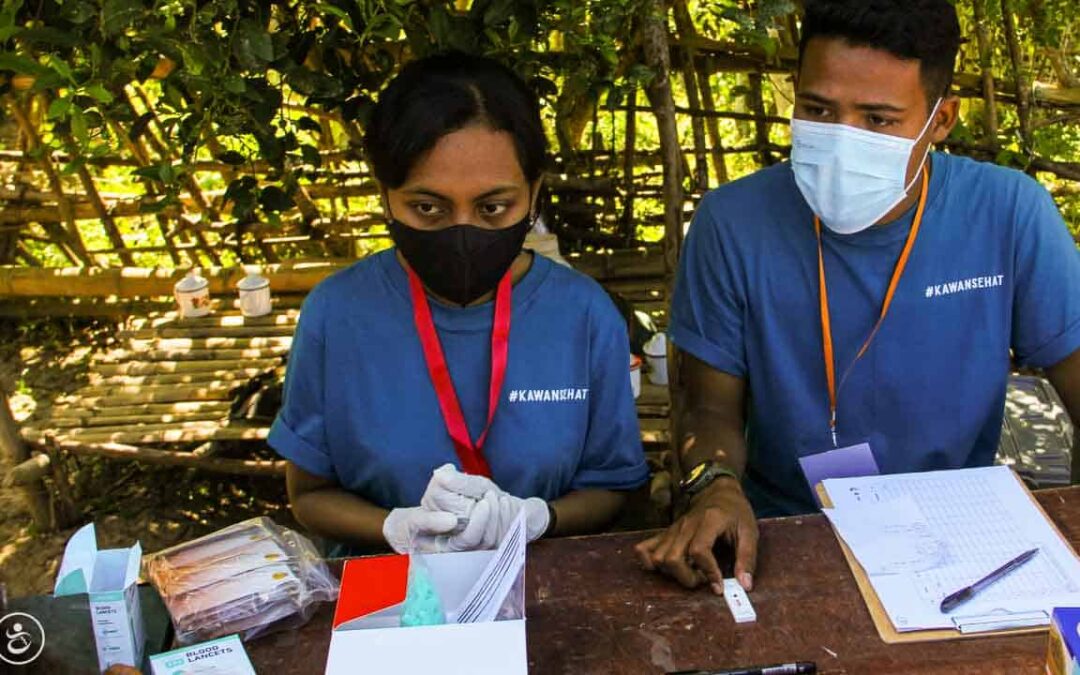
<point>958,598</point>
<point>798,668</point>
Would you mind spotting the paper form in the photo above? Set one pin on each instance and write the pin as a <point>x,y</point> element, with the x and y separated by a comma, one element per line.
<point>889,538</point>
<point>500,577</point>
<point>983,518</point>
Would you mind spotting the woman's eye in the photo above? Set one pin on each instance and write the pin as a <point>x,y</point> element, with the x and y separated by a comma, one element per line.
<point>815,111</point>
<point>879,121</point>
<point>492,210</point>
<point>427,209</point>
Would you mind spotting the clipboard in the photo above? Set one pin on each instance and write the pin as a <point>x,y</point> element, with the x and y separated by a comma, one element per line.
<point>880,617</point>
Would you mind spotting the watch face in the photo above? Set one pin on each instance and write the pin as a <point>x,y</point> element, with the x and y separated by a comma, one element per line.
<point>695,473</point>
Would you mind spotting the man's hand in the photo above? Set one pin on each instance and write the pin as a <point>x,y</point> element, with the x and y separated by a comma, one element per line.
<point>684,550</point>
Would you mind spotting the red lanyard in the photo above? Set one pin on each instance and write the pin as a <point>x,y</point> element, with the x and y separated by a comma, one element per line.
<point>826,323</point>
<point>469,453</point>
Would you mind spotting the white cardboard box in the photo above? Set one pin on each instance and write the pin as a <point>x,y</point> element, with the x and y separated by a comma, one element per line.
<point>109,578</point>
<point>368,638</point>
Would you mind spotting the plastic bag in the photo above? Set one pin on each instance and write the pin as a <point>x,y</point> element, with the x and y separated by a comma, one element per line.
<point>250,578</point>
<point>422,606</point>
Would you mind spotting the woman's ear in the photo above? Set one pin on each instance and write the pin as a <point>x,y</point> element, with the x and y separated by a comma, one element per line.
<point>534,189</point>
<point>384,201</point>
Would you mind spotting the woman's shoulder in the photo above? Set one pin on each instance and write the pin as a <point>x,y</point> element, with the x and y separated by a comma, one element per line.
<point>351,285</point>
<point>578,292</point>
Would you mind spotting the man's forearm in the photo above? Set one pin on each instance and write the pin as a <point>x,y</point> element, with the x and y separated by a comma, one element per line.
<point>706,434</point>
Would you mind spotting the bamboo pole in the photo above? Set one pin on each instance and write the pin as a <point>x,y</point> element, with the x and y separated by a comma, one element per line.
<point>180,408</point>
<point>214,342</point>
<point>16,452</point>
<point>73,247</point>
<point>685,25</point>
<point>94,420</point>
<point>1023,103</point>
<point>210,332</point>
<point>167,152</point>
<point>195,354</point>
<point>169,435</point>
<point>156,367</point>
<point>243,467</point>
<point>289,277</point>
<point>629,225</point>
<point>712,124</point>
<point>103,214</point>
<point>657,57</point>
<point>761,127</point>
<point>177,378</point>
<point>986,66</point>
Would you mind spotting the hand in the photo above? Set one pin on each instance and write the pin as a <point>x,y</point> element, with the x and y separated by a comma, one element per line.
<point>493,516</point>
<point>418,530</point>
<point>455,492</point>
<point>684,550</point>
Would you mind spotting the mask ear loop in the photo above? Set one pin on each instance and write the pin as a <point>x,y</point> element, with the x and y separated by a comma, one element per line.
<point>926,153</point>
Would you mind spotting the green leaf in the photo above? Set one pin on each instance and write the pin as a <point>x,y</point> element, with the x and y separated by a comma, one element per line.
<point>119,15</point>
<point>311,155</point>
<point>308,124</point>
<point>59,108</point>
<point>334,11</point>
<point>253,47</point>
<point>99,92</point>
<point>272,198</point>
<point>234,85</point>
<point>60,67</point>
<point>78,127</point>
<point>231,157</point>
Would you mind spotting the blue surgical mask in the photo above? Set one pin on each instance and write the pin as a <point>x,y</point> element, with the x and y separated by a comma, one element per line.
<point>850,177</point>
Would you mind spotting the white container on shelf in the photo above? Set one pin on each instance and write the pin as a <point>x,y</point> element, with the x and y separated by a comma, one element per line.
<point>192,295</point>
<point>656,356</point>
<point>635,375</point>
<point>254,294</point>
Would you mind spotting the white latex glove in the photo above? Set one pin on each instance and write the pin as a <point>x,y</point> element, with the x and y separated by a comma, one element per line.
<point>455,492</point>
<point>494,514</point>
<point>419,530</point>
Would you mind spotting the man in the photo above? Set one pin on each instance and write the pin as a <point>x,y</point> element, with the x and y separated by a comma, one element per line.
<point>869,291</point>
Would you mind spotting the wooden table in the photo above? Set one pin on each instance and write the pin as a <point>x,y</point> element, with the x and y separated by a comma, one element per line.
<point>591,609</point>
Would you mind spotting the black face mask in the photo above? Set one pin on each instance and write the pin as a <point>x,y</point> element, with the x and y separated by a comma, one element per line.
<point>460,262</point>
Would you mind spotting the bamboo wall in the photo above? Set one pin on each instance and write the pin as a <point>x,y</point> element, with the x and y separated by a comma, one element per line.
<point>600,196</point>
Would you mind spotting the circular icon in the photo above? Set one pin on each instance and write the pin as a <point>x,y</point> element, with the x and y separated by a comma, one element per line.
<point>21,638</point>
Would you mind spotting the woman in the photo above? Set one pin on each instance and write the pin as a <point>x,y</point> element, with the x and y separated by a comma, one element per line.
<point>457,347</point>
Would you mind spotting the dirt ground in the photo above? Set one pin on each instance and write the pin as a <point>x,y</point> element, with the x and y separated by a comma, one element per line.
<point>127,502</point>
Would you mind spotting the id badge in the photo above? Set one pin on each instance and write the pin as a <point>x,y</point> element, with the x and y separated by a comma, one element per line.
<point>850,462</point>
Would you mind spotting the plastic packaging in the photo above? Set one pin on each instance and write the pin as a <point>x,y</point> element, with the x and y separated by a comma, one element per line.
<point>250,578</point>
<point>422,606</point>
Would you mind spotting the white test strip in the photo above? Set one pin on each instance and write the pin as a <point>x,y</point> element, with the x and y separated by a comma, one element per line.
<point>738,602</point>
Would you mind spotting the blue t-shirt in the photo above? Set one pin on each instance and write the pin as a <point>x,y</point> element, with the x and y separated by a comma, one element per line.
<point>993,268</point>
<point>360,407</point>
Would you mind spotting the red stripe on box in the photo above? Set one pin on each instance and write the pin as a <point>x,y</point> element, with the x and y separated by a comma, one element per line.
<point>369,585</point>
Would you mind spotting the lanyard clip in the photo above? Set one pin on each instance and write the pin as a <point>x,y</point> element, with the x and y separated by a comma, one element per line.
<point>832,430</point>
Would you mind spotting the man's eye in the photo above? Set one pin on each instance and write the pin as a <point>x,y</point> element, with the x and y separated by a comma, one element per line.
<point>815,111</point>
<point>879,121</point>
<point>492,210</point>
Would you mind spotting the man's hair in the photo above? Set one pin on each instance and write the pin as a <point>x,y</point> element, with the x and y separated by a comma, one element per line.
<point>926,31</point>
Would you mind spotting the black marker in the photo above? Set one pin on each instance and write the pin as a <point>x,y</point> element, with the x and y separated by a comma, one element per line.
<point>799,668</point>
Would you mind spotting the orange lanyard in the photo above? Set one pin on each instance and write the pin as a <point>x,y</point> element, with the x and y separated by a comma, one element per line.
<point>826,322</point>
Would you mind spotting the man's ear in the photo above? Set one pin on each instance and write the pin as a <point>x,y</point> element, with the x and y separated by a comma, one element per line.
<point>384,201</point>
<point>948,114</point>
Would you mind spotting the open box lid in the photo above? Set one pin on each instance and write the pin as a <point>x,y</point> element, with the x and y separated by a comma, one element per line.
<point>85,569</point>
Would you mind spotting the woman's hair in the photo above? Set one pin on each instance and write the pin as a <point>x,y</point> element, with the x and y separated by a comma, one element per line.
<point>440,94</point>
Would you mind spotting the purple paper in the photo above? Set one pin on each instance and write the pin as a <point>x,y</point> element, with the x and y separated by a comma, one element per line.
<point>849,462</point>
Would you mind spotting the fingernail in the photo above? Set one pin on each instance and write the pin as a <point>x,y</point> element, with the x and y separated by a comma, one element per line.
<point>718,589</point>
<point>746,580</point>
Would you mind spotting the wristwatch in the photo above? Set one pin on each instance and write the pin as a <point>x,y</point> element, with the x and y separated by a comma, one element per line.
<point>702,476</point>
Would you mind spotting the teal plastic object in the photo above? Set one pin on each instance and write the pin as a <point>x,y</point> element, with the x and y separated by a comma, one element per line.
<point>422,607</point>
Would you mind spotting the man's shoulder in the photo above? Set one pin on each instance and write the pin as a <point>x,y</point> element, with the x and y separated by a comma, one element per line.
<point>988,180</point>
<point>757,207</point>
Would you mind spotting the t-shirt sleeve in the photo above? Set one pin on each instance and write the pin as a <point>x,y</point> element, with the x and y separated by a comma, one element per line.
<point>299,433</point>
<point>613,457</point>
<point>707,306</point>
<point>1046,302</point>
